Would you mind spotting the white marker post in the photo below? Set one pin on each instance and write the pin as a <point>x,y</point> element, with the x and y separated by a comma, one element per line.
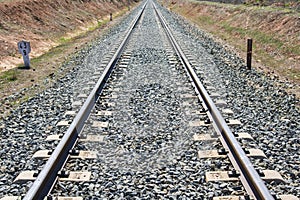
<point>24,49</point>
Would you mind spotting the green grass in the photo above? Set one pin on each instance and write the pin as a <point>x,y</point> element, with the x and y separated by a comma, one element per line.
<point>98,25</point>
<point>52,53</point>
<point>63,40</point>
<point>9,76</point>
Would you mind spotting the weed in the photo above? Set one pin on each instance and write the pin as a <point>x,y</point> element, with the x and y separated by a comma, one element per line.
<point>63,40</point>
<point>9,76</point>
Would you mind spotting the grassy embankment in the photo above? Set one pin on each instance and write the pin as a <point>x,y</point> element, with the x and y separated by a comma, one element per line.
<point>47,64</point>
<point>275,32</point>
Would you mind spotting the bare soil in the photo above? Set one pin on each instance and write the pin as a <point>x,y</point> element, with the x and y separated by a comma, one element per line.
<point>45,22</point>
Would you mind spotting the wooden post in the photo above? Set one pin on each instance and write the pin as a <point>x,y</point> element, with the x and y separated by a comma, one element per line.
<point>249,53</point>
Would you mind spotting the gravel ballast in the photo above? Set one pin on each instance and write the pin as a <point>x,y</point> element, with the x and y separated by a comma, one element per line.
<point>148,149</point>
<point>267,111</point>
<point>25,130</point>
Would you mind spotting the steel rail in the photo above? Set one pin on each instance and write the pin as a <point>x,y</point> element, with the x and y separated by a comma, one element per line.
<point>48,175</point>
<point>253,183</point>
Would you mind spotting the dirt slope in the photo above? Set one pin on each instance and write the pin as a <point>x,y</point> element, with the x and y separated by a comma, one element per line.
<point>57,30</point>
<point>45,22</point>
<point>275,32</point>
<point>291,4</point>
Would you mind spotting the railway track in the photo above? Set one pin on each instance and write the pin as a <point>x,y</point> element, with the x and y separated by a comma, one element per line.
<point>148,124</point>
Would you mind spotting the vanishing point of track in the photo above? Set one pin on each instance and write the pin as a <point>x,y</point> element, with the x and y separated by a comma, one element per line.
<point>251,180</point>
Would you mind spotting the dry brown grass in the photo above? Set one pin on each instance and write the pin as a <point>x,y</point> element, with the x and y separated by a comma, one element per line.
<point>275,32</point>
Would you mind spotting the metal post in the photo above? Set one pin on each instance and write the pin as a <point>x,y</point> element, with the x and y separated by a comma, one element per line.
<point>249,53</point>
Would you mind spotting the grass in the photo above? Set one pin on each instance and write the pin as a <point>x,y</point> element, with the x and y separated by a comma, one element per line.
<point>64,40</point>
<point>207,20</point>
<point>262,43</point>
<point>271,50</point>
<point>90,28</point>
<point>264,39</point>
<point>47,64</point>
<point>98,25</point>
<point>9,76</point>
<point>247,6</point>
<point>51,54</point>
<point>257,35</point>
